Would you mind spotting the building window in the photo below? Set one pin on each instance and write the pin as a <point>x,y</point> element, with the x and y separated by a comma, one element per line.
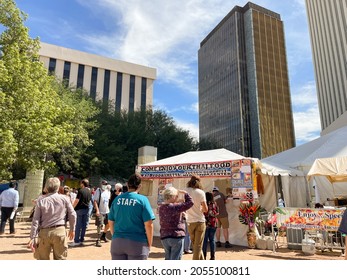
<point>93,83</point>
<point>66,74</point>
<point>119,92</point>
<point>51,66</point>
<point>143,93</point>
<point>106,85</point>
<point>132,93</point>
<point>80,76</point>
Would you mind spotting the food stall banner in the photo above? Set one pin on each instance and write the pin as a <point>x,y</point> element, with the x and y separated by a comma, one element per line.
<point>310,219</point>
<point>242,182</point>
<point>186,170</point>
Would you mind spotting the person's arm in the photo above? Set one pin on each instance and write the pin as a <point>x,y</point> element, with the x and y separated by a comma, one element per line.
<point>204,207</point>
<point>96,199</point>
<point>75,202</point>
<point>186,204</point>
<point>16,201</point>
<point>111,225</point>
<point>149,232</point>
<point>72,217</point>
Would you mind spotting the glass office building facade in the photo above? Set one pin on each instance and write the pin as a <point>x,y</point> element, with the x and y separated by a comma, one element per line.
<point>244,96</point>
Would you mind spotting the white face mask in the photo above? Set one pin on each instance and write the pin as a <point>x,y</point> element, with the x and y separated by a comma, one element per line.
<point>103,187</point>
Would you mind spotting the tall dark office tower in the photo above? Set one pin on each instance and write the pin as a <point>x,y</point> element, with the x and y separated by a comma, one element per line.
<point>328,31</point>
<point>244,97</point>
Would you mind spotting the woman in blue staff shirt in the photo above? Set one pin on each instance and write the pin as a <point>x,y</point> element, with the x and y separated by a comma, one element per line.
<point>131,224</point>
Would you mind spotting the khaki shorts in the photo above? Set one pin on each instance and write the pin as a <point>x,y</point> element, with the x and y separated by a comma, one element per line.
<point>101,220</point>
<point>223,222</point>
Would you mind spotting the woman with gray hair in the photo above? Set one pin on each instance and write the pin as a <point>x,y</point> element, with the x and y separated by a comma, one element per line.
<point>172,227</point>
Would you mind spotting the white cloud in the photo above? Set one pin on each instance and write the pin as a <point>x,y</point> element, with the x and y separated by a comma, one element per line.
<point>306,113</point>
<point>304,95</point>
<point>307,125</point>
<point>193,128</point>
<point>161,34</point>
<point>166,35</point>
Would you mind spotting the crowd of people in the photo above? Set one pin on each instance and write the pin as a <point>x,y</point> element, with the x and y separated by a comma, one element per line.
<point>189,219</point>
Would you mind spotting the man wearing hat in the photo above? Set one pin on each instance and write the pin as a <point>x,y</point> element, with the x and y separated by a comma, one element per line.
<point>223,221</point>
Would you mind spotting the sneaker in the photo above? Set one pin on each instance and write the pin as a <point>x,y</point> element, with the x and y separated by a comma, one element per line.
<point>227,244</point>
<point>218,244</point>
<point>103,238</point>
<point>98,243</point>
<point>74,244</point>
<point>188,252</point>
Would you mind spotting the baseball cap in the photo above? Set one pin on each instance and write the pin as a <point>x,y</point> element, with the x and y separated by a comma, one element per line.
<point>104,182</point>
<point>215,189</point>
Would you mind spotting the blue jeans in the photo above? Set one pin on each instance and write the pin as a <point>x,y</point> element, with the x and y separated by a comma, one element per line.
<point>209,237</point>
<point>187,241</point>
<point>81,224</point>
<point>173,248</point>
<point>90,211</point>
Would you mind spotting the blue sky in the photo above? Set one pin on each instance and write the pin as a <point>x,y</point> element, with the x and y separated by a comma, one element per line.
<point>166,35</point>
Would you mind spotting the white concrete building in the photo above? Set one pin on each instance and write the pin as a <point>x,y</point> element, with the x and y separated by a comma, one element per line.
<point>328,31</point>
<point>128,85</point>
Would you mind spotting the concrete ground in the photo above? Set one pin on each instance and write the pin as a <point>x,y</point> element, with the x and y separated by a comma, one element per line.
<point>13,247</point>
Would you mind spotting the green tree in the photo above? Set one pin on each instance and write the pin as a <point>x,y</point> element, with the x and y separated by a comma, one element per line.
<point>37,118</point>
<point>121,134</point>
<point>79,112</point>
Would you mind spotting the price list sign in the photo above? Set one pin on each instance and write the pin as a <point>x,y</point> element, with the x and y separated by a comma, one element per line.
<point>242,179</point>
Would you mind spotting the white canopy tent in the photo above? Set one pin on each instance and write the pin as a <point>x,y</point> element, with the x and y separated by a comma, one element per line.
<point>238,231</point>
<point>335,171</point>
<point>290,180</point>
<point>302,158</point>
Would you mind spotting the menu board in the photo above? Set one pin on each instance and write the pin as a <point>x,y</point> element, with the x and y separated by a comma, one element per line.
<point>242,179</point>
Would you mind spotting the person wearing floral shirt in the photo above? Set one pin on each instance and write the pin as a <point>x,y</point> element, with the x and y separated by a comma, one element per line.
<point>211,225</point>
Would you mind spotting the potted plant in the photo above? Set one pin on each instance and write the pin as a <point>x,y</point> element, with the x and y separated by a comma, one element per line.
<point>248,214</point>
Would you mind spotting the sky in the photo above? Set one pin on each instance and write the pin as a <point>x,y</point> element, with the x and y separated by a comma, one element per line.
<point>166,35</point>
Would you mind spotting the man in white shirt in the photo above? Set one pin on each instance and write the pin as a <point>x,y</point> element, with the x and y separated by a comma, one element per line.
<point>9,200</point>
<point>101,204</point>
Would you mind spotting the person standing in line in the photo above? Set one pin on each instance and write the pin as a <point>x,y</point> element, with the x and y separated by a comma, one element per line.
<point>223,220</point>
<point>172,226</point>
<point>9,200</point>
<point>91,204</point>
<point>131,223</point>
<point>73,195</point>
<point>101,200</point>
<point>116,192</point>
<point>81,205</point>
<point>187,241</point>
<point>195,216</point>
<point>211,226</point>
<point>48,231</point>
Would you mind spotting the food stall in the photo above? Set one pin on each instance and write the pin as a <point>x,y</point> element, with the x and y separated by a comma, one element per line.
<point>233,174</point>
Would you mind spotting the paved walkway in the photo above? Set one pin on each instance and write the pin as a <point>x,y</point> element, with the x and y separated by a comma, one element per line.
<point>13,247</point>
